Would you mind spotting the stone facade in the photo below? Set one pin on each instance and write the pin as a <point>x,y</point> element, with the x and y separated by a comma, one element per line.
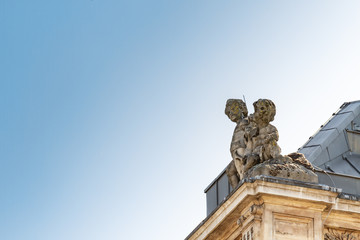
<point>264,208</point>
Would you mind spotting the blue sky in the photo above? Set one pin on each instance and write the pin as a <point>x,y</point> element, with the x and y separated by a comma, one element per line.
<point>113,114</point>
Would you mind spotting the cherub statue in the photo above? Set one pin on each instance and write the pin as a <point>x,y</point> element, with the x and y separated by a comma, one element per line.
<point>237,112</point>
<point>254,147</point>
<point>265,143</point>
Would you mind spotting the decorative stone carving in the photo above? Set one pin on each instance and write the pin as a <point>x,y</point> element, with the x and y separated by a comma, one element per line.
<point>284,167</point>
<point>232,174</point>
<point>336,234</point>
<point>254,210</point>
<point>287,226</point>
<point>249,235</point>
<point>265,143</point>
<point>237,112</point>
<point>242,219</point>
<point>254,147</point>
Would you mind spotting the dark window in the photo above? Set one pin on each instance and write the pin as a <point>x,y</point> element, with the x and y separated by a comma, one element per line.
<point>354,141</point>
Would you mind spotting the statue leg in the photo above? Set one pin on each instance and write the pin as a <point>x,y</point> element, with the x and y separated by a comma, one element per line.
<point>271,150</point>
<point>232,175</point>
<point>238,157</point>
<point>251,161</point>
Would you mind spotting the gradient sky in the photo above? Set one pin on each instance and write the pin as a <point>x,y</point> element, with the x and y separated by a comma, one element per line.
<point>113,119</point>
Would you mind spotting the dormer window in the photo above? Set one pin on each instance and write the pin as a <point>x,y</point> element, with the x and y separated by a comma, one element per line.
<point>354,140</point>
<point>355,126</point>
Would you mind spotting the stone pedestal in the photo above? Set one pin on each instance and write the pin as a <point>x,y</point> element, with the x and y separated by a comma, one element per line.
<point>264,208</point>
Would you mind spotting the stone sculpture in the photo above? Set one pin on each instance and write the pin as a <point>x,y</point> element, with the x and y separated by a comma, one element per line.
<point>337,234</point>
<point>237,112</point>
<point>265,143</point>
<point>254,149</point>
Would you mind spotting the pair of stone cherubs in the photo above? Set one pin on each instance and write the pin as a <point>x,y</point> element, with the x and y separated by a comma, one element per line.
<point>254,140</point>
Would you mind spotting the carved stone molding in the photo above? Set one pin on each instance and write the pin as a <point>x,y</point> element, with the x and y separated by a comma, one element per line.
<point>249,235</point>
<point>337,234</point>
<point>243,218</point>
<point>255,210</point>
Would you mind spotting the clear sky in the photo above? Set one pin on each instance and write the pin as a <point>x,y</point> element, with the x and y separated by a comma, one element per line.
<point>113,119</point>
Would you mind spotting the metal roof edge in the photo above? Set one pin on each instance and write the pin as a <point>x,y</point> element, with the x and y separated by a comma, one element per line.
<point>337,174</point>
<point>215,179</point>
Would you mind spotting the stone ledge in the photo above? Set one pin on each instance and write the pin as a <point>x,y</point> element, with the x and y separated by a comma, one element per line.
<point>251,188</point>
<point>292,183</point>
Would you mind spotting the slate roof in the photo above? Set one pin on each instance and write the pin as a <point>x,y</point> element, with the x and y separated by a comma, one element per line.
<point>329,148</point>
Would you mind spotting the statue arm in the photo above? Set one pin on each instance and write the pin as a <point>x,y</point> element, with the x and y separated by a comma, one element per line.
<point>273,134</point>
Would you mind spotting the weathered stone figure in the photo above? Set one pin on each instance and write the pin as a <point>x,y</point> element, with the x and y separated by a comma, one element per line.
<point>261,137</point>
<point>237,112</point>
<point>265,143</point>
<point>254,147</point>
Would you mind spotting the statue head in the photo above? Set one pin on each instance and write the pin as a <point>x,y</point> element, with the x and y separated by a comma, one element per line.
<point>236,109</point>
<point>265,111</point>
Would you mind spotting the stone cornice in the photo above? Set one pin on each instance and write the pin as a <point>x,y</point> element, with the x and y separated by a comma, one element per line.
<point>270,190</point>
